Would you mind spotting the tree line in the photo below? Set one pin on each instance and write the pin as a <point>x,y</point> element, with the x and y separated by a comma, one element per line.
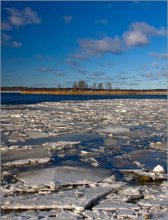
<point>83,85</point>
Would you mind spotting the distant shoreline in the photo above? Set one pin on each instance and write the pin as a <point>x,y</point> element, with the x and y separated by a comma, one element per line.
<point>95,92</point>
<point>10,91</point>
<point>84,92</point>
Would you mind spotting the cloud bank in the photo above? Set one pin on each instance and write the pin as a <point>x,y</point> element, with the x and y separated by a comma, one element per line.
<point>159,55</point>
<point>17,18</point>
<point>138,34</point>
<point>7,40</point>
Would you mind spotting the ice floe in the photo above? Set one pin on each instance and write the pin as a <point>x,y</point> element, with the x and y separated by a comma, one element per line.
<point>94,159</point>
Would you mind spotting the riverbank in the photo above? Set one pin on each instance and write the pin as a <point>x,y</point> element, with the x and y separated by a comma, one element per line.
<point>95,92</point>
<point>69,91</point>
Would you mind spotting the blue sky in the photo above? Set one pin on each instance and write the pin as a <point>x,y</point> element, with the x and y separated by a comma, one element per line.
<point>49,43</point>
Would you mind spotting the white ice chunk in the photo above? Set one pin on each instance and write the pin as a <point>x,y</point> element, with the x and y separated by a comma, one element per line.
<point>158,169</point>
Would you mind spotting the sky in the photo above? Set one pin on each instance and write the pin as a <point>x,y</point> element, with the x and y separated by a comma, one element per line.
<point>44,44</point>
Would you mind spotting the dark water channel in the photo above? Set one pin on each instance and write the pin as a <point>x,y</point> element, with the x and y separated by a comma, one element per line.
<point>18,98</point>
<point>101,151</point>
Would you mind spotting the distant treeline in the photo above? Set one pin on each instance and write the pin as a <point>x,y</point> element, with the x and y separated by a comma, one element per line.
<point>80,86</point>
<point>71,89</point>
<point>83,85</point>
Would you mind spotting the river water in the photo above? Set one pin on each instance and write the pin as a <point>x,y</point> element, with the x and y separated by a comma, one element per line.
<point>18,98</point>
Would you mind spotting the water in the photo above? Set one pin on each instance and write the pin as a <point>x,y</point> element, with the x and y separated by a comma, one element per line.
<point>17,98</point>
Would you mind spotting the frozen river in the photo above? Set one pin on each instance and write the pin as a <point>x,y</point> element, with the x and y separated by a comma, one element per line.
<point>105,148</point>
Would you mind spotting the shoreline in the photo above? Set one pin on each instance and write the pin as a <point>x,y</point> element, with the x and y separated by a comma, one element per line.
<point>60,92</point>
<point>94,93</point>
<point>89,91</point>
<point>10,92</point>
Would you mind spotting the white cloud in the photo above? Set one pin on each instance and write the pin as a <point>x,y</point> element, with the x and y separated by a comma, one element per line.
<point>7,40</point>
<point>46,69</point>
<point>80,70</point>
<point>139,34</point>
<point>6,26</point>
<point>18,18</point>
<point>61,74</point>
<point>148,29</point>
<point>68,18</point>
<point>104,45</point>
<point>135,38</point>
<point>149,75</point>
<point>6,37</point>
<point>16,44</point>
<point>159,55</point>
<point>156,75</point>
<point>82,55</point>
<point>15,19</point>
<point>163,73</point>
<point>99,73</point>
